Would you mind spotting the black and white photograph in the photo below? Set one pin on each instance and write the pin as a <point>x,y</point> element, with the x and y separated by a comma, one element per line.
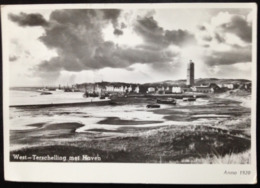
<point>165,85</point>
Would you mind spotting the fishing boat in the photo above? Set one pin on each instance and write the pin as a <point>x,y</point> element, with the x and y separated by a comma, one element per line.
<point>167,101</point>
<point>102,97</point>
<point>46,93</point>
<point>87,94</point>
<point>112,103</point>
<point>153,106</point>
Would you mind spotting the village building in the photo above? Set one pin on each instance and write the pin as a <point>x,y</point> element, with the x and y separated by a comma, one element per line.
<point>109,88</point>
<point>151,90</point>
<point>137,89</point>
<point>215,88</point>
<point>227,85</point>
<point>129,89</point>
<point>248,86</point>
<point>160,90</point>
<point>125,89</point>
<point>176,89</point>
<point>114,89</point>
<point>202,89</point>
<point>119,89</point>
<point>185,88</point>
<point>168,90</point>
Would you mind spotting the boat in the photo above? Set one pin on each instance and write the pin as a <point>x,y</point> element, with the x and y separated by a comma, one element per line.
<point>189,99</point>
<point>112,103</point>
<point>46,93</point>
<point>43,90</point>
<point>167,101</point>
<point>153,106</point>
<point>102,97</point>
<point>67,90</point>
<point>87,94</point>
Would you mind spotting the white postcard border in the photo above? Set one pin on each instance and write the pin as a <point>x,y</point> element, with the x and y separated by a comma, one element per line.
<point>125,172</point>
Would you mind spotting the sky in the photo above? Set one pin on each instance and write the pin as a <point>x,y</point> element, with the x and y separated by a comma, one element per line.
<point>69,46</point>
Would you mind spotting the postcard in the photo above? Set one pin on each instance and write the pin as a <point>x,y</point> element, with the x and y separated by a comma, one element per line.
<point>130,93</point>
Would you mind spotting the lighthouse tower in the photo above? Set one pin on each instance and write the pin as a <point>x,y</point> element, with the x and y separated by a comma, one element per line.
<point>190,74</point>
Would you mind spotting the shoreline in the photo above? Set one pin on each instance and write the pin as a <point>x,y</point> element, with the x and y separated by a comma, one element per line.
<point>95,102</point>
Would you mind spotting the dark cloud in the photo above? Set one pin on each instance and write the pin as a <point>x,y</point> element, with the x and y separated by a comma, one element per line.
<point>118,32</point>
<point>24,19</point>
<point>180,37</point>
<point>206,45</point>
<point>108,55</point>
<point>201,27</point>
<point>233,56</point>
<point>207,38</point>
<point>149,29</point>
<point>13,58</point>
<point>112,15</point>
<point>76,35</point>
<point>219,38</point>
<point>240,27</point>
<point>123,25</point>
<point>80,45</point>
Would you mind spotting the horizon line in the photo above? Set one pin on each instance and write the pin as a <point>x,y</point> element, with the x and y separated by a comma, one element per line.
<point>56,85</point>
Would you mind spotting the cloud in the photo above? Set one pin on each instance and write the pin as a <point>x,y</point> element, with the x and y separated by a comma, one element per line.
<point>155,35</point>
<point>239,26</point>
<point>180,37</point>
<point>219,38</point>
<point>118,32</point>
<point>226,29</point>
<point>226,40</point>
<point>152,34</point>
<point>77,38</point>
<point>24,19</point>
<point>225,23</point>
<point>123,25</point>
<point>201,27</point>
<point>76,35</point>
<point>13,58</point>
<point>233,56</point>
<point>207,38</point>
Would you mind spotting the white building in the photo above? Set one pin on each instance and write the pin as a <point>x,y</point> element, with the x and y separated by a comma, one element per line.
<point>176,89</point>
<point>130,89</point>
<point>203,89</point>
<point>229,86</point>
<point>150,90</point>
<point>137,89</point>
<point>109,88</point>
<point>119,89</point>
